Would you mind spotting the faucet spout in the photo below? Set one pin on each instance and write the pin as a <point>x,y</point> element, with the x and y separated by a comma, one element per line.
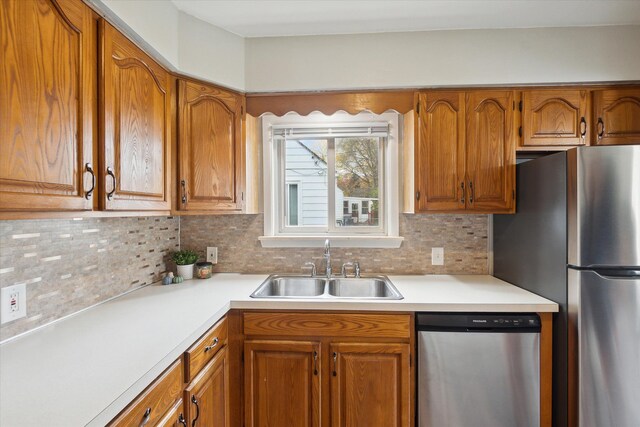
<point>327,258</point>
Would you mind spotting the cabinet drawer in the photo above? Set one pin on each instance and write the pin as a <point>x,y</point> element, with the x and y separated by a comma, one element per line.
<point>174,418</point>
<point>326,325</point>
<point>204,349</point>
<point>154,402</point>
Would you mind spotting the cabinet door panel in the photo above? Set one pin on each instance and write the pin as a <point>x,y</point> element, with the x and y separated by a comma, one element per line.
<point>47,104</point>
<point>282,386</point>
<point>371,386</point>
<point>617,116</point>
<point>490,151</point>
<point>207,397</point>
<point>136,116</point>
<point>439,156</point>
<point>210,147</point>
<point>555,117</point>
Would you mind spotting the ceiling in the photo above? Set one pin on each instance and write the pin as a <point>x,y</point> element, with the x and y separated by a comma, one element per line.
<point>293,18</point>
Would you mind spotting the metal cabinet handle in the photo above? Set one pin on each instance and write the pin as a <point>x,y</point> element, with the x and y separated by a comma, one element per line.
<point>195,402</point>
<point>181,420</point>
<point>464,196</point>
<point>89,193</point>
<point>112,175</point>
<point>213,344</point>
<point>583,127</point>
<point>600,127</point>
<point>335,362</point>
<point>147,417</point>
<point>471,195</point>
<point>315,363</point>
<point>183,183</point>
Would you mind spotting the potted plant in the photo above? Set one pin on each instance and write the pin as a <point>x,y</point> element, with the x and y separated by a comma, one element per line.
<point>185,260</point>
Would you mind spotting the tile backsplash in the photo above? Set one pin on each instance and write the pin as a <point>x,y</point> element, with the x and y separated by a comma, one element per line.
<point>463,237</point>
<point>71,264</point>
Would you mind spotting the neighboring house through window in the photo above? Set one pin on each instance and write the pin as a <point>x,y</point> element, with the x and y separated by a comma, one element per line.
<point>331,176</point>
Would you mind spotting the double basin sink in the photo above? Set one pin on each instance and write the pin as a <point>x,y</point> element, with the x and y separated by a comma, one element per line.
<point>283,286</point>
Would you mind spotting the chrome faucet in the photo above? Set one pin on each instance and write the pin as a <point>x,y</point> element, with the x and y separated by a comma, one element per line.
<point>327,258</point>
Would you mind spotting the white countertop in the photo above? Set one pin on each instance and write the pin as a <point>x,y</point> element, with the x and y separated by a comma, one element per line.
<point>85,369</point>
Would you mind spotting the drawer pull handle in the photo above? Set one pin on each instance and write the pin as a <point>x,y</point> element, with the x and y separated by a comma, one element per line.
<point>147,417</point>
<point>195,402</point>
<point>315,363</point>
<point>181,420</point>
<point>89,192</point>
<point>335,362</point>
<point>115,182</point>
<point>600,127</point>
<point>213,344</point>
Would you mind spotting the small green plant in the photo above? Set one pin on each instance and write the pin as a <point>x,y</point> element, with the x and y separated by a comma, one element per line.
<point>185,257</point>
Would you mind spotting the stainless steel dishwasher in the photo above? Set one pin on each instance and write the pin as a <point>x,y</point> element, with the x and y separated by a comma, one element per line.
<point>478,370</point>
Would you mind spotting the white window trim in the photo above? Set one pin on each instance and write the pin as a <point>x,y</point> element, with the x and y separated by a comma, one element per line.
<point>391,185</point>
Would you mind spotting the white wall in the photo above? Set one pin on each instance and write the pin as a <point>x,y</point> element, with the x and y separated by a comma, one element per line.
<point>185,43</point>
<point>210,52</point>
<point>437,58</point>
<point>155,21</point>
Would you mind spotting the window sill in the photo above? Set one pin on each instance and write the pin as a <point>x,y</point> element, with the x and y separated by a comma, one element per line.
<point>336,241</point>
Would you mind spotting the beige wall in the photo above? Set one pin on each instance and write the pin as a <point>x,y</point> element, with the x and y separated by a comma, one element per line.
<point>154,21</point>
<point>209,52</point>
<point>440,58</point>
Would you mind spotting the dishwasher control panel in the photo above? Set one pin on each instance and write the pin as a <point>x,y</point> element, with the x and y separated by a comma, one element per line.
<point>520,322</point>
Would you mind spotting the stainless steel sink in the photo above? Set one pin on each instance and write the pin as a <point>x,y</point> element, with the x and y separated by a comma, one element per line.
<point>290,287</point>
<point>283,286</point>
<point>364,287</point>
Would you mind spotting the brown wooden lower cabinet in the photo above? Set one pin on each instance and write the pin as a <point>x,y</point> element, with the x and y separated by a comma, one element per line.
<point>370,384</point>
<point>207,397</point>
<point>282,383</point>
<point>327,369</point>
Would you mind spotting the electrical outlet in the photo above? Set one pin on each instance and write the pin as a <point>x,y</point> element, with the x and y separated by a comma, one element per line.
<point>437,256</point>
<point>212,254</point>
<point>14,302</point>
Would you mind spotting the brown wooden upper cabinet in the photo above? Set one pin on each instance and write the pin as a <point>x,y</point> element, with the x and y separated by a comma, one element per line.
<point>136,118</point>
<point>555,118</point>
<point>465,151</point>
<point>210,148</point>
<point>47,105</point>
<point>616,114</point>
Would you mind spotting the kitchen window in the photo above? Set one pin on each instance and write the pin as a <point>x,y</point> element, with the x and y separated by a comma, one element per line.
<point>331,177</point>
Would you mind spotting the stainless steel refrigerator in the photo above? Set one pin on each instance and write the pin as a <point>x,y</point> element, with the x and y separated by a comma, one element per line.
<point>575,239</point>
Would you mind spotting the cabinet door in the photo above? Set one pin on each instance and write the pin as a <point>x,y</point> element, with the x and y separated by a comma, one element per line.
<point>370,385</point>
<point>554,118</point>
<point>209,147</point>
<point>207,397</point>
<point>617,116</point>
<point>136,116</point>
<point>282,386</point>
<point>47,105</point>
<point>439,152</point>
<point>491,151</point>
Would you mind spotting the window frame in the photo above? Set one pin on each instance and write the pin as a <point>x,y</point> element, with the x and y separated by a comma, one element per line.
<point>386,235</point>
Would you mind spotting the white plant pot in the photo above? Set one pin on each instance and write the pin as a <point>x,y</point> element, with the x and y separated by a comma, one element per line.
<point>186,271</point>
